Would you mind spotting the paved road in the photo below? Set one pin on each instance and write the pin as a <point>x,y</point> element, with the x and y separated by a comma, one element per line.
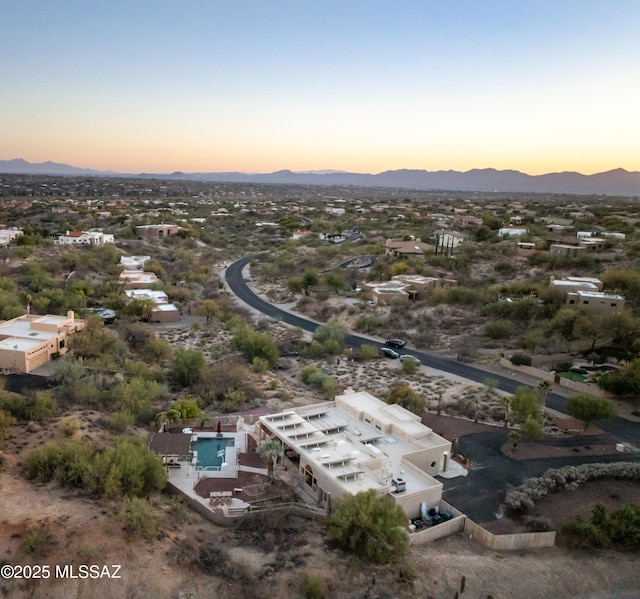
<point>623,430</point>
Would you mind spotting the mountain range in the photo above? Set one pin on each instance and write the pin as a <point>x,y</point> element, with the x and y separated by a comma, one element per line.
<point>617,182</point>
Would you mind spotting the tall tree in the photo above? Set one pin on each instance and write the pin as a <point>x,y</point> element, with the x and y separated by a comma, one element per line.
<point>369,526</point>
<point>403,394</point>
<point>209,309</point>
<point>525,404</point>
<point>588,409</point>
<point>187,366</point>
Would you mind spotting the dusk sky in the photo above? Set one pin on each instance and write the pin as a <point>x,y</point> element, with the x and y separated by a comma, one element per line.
<point>364,86</point>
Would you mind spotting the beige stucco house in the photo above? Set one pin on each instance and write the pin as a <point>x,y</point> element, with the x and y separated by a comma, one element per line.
<point>29,341</point>
<point>157,231</point>
<point>404,288</point>
<point>398,247</point>
<point>357,443</point>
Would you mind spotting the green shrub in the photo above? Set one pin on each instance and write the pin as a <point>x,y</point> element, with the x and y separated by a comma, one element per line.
<point>43,406</point>
<point>520,360</point>
<point>138,518</point>
<point>504,268</point>
<point>369,526</point>
<point>537,524</point>
<point>312,587</point>
<point>120,421</point>
<point>260,365</point>
<point>15,404</point>
<point>38,541</point>
<point>6,423</point>
<point>409,367</point>
<point>313,376</point>
<point>69,426</point>
<point>498,329</point>
<point>127,468</point>
<point>369,352</point>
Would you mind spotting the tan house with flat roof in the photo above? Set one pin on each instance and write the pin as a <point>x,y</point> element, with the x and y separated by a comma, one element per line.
<point>404,288</point>
<point>157,231</point>
<point>137,279</point>
<point>357,443</point>
<point>398,247</point>
<point>29,341</point>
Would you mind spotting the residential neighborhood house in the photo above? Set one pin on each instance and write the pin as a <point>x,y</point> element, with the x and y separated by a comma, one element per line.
<point>30,340</point>
<point>358,443</point>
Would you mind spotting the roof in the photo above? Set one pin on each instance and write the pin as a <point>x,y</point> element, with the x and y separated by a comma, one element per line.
<point>600,295</point>
<point>359,441</point>
<point>165,308</point>
<point>170,443</point>
<point>22,328</point>
<point>18,344</point>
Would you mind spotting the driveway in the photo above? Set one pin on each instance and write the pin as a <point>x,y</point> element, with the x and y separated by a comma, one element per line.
<point>481,493</point>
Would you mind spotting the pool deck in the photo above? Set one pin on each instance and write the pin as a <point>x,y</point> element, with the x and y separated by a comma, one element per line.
<point>247,486</point>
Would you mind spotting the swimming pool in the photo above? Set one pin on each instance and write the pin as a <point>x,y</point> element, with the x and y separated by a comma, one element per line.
<point>210,451</point>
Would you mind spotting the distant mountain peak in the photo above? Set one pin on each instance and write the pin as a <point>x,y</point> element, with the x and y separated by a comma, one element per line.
<point>616,182</point>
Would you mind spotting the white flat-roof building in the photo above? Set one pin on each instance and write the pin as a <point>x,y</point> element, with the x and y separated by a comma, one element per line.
<point>137,279</point>
<point>163,310</point>
<point>8,235</point>
<point>93,237</point>
<point>512,231</point>
<point>357,443</point>
<point>134,262</point>
<point>597,301</point>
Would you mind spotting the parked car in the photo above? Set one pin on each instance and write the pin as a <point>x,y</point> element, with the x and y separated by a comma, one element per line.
<point>410,358</point>
<point>395,343</point>
<point>390,353</point>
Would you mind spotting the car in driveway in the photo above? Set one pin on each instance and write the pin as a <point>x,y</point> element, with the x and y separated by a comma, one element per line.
<point>395,343</point>
<point>390,353</point>
<point>410,358</point>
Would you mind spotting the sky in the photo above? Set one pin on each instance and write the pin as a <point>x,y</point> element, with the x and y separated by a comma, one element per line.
<point>357,85</point>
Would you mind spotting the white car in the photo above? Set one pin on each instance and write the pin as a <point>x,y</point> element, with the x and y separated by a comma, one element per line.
<point>390,353</point>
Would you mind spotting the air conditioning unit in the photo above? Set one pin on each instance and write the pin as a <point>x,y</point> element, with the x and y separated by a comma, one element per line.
<point>399,484</point>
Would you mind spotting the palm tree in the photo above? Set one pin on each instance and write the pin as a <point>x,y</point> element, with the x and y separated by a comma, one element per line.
<point>271,450</point>
<point>544,387</point>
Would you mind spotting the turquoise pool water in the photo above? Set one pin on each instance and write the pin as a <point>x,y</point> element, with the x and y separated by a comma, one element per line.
<point>208,450</point>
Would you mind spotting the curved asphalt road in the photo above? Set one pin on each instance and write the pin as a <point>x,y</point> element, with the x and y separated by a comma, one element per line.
<point>623,430</point>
